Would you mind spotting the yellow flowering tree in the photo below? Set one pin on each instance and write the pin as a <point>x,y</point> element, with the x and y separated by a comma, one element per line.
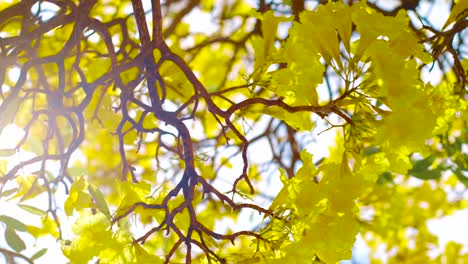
<point>194,131</point>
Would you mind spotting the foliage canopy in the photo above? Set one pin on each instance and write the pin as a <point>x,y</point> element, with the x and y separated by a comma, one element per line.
<point>165,142</point>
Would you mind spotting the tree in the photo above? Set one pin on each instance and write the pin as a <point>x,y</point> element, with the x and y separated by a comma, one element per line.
<point>155,137</point>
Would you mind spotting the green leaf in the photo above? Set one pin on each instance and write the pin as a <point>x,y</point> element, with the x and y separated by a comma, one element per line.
<point>13,240</point>
<point>8,110</point>
<point>421,169</point>
<point>423,164</point>
<point>32,209</point>
<point>371,150</point>
<point>385,177</point>
<point>98,198</point>
<point>3,166</point>
<point>9,192</point>
<point>458,12</point>
<point>428,174</point>
<point>7,152</point>
<point>39,254</point>
<point>13,223</point>
<point>462,178</point>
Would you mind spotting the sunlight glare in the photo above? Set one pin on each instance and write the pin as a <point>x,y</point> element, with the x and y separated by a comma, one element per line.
<point>10,136</point>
